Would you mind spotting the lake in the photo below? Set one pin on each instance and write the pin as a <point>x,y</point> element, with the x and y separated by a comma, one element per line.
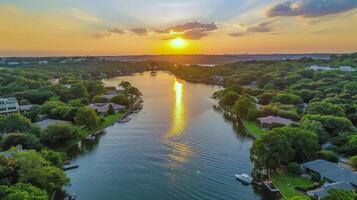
<point>177,147</point>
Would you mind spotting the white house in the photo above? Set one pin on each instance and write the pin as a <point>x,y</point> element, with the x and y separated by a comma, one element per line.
<point>43,62</point>
<point>347,69</point>
<point>321,68</point>
<point>54,81</point>
<point>8,105</point>
<point>13,63</point>
<point>104,107</point>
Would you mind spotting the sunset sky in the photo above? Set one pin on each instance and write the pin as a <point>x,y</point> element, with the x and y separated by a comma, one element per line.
<point>126,27</point>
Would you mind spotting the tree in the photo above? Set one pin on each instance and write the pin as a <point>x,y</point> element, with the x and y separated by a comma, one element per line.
<point>124,84</point>
<point>266,98</point>
<point>332,124</point>
<point>243,106</point>
<point>14,123</point>
<point>229,99</point>
<point>8,173</point>
<point>111,110</point>
<point>329,156</point>
<point>55,158</point>
<point>95,88</point>
<point>339,194</point>
<point>59,133</point>
<point>22,191</point>
<point>78,90</point>
<point>26,140</point>
<point>121,100</point>
<point>288,99</point>
<point>324,108</point>
<point>353,162</point>
<point>87,116</point>
<point>270,151</point>
<point>99,99</point>
<point>35,169</point>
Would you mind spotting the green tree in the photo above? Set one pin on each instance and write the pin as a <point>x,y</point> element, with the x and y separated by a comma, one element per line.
<point>323,108</point>
<point>332,124</point>
<point>243,106</point>
<point>353,162</point>
<point>266,98</point>
<point>338,194</point>
<point>111,110</point>
<point>121,100</point>
<point>288,99</point>
<point>99,99</point>
<point>21,191</point>
<point>8,173</point>
<point>14,123</point>
<point>229,99</point>
<point>328,155</point>
<point>55,158</point>
<point>58,134</point>
<point>271,150</point>
<point>87,116</point>
<point>26,140</point>
<point>79,90</point>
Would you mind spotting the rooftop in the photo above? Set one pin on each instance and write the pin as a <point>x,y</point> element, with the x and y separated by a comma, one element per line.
<point>49,122</point>
<point>331,171</point>
<point>275,120</point>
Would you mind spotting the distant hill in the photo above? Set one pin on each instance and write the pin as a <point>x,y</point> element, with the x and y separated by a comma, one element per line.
<point>215,59</point>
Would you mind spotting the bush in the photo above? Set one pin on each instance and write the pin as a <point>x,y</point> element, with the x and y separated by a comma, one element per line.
<point>294,168</point>
<point>315,176</point>
<point>329,156</point>
<point>353,162</point>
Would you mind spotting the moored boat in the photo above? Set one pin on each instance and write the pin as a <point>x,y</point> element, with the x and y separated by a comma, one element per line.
<point>244,178</point>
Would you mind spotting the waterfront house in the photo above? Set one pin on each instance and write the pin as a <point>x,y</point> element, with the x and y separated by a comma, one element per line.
<point>8,105</point>
<point>347,69</point>
<point>269,121</point>
<point>333,174</point>
<point>321,68</point>
<point>68,86</point>
<point>43,62</point>
<point>54,81</point>
<point>49,122</point>
<point>104,107</point>
<point>13,63</point>
<point>25,108</point>
<point>111,94</point>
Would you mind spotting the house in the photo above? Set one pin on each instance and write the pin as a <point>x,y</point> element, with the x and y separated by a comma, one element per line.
<point>321,68</point>
<point>13,63</point>
<point>335,175</point>
<point>43,62</point>
<point>8,105</point>
<point>111,94</point>
<point>271,120</point>
<point>218,79</point>
<point>104,107</point>
<point>25,108</point>
<point>54,81</point>
<point>49,122</point>
<point>347,69</point>
<point>68,86</point>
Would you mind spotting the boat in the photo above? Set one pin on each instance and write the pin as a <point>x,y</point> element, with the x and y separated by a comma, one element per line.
<point>244,178</point>
<point>69,167</point>
<point>271,186</point>
<point>90,137</point>
<point>124,120</point>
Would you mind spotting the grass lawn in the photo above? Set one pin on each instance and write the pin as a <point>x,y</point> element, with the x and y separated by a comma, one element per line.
<point>108,120</point>
<point>254,128</point>
<point>286,182</point>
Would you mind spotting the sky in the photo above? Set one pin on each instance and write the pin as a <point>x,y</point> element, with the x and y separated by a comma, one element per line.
<point>136,27</point>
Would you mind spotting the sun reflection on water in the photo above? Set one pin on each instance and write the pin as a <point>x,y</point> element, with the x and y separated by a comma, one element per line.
<point>179,121</point>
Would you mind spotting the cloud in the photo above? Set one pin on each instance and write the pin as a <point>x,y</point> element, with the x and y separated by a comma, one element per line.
<point>81,15</point>
<point>100,35</point>
<point>311,8</point>
<point>140,31</point>
<point>116,31</point>
<point>321,31</point>
<point>264,27</point>
<point>190,30</point>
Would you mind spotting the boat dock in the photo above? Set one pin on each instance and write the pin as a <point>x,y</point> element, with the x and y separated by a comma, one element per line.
<point>69,167</point>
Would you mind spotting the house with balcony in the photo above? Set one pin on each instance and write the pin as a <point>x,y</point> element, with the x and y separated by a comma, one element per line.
<point>8,105</point>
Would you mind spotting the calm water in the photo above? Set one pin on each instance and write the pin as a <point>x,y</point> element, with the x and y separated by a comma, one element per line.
<point>177,147</point>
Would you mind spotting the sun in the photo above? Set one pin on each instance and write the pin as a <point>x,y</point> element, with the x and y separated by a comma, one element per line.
<point>178,43</point>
